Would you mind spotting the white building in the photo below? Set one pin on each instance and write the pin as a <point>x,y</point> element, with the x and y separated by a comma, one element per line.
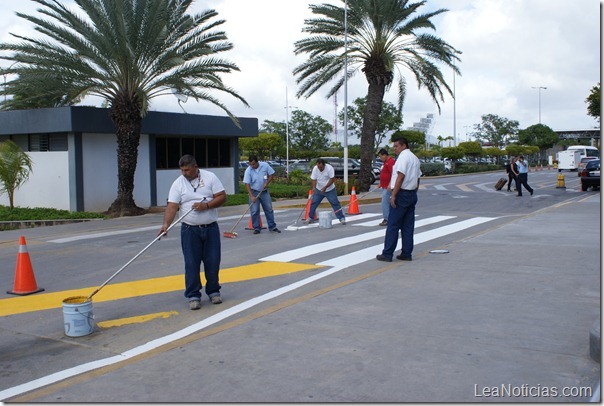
<point>74,153</point>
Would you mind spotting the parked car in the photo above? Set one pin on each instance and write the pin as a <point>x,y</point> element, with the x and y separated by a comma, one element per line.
<point>584,162</point>
<point>590,175</point>
<point>354,167</point>
<point>300,165</point>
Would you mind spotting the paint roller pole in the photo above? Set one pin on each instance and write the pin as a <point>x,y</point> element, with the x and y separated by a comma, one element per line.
<point>139,254</point>
<point>231,233</point>
<point>359,198</point>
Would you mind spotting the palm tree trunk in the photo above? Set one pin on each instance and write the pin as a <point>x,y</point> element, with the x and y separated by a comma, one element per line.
<point>375,97</point>
<point>127,119</point>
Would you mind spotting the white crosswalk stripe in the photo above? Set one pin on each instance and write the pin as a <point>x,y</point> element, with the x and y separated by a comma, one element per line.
<point>369,253</point>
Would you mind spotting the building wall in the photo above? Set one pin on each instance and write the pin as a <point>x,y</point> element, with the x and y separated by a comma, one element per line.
<point>99,166</point>
<point>48,183</point>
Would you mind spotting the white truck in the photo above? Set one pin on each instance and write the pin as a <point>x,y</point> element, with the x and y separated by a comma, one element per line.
<point>568,160</point>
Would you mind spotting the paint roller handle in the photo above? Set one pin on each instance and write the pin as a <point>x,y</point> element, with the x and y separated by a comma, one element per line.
<point>139,254</point>
<point>359,198</point>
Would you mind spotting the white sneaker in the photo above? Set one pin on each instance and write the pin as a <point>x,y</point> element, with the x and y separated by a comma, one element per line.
<point>343,221</point>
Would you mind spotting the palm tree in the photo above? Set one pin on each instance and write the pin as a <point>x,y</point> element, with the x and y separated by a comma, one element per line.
<point>382,39</point>
<point>126,52</point>
<point>15,167</point>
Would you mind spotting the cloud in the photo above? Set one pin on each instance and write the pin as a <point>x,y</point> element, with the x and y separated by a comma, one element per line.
<point>509,47</point>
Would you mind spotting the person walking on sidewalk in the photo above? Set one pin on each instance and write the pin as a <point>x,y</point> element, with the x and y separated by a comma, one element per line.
<point>522,177</point>
<point>322,184</point>
<point>385,175</point>
<point>256,178</point>
<point>510,168</point>
<point>404,184</point>
<point>199,234</point>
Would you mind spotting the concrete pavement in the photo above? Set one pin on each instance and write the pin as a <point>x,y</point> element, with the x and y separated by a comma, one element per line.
<point>504,316</point>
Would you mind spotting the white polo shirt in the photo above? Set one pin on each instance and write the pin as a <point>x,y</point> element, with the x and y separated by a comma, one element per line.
<point>185,193</point>
<point>322,177</point>
<point>408,164</point>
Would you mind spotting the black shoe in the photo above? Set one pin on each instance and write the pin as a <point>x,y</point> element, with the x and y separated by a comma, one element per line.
<point>383,258</point>
<point>256,231</point>
<point>532,192</point>
<point>403,258</point>
<point>276,230</point>
<point>518,195</point>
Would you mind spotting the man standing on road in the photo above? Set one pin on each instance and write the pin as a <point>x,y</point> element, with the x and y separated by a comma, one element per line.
<point>404,184</point>
<point>322,184</point>
<point>522,177</point>
<point>256,178</point>
<point>385,175</point>
<point>199,233</point>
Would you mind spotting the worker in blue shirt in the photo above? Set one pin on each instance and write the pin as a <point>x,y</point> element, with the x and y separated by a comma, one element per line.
<point>522,179</point>
<point>256,178</point>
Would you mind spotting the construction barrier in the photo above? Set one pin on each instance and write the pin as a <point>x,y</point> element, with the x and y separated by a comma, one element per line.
<point>25,281</point>
<point>308,204</point>
<point>560,184</point>
<point>353,207</point>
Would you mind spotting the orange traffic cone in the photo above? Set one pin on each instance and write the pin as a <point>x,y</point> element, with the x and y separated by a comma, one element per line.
<point>251,227</point>
<point>25,281</point>
<point>308,204</point>
<point>353,208</point>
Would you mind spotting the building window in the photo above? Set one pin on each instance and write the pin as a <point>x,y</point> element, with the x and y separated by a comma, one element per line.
<point>47,142</point>
<point>209,152</point>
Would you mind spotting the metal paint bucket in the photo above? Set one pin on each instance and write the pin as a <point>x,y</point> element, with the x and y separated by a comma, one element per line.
<point>325,219</point>
<point>78,317</point>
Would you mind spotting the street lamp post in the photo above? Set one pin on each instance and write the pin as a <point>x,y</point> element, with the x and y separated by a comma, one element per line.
<point>539,88</point>
<point>345,97</point>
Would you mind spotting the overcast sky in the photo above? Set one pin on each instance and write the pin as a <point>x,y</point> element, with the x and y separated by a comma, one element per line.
<point>510,49</point>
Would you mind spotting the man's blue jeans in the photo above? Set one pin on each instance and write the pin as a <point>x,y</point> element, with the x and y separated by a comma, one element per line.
<point>263,199</point>
<point>401,218</point>
<point>201,244</point>
<point>386,202</point>
<point>332,198</point>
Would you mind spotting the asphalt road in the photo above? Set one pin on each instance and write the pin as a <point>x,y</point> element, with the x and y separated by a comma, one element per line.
<point>309,315</point>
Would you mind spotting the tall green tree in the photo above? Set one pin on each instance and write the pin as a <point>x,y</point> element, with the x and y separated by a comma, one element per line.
<point>593,102</point>
<point>495,130</point>
<point>262,145</point>
<point>389,120</point>
<point>127,52</point>
<point>15,167</point>
<point>383,39</point>
<point>308,132</point>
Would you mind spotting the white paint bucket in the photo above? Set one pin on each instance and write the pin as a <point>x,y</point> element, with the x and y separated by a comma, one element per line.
<point>78,317</point>
<point>325,219</point>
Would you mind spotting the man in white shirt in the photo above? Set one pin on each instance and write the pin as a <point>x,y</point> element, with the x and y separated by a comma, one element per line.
<point>199,233</point>
<point>404,184</point>
<point>322,178</point>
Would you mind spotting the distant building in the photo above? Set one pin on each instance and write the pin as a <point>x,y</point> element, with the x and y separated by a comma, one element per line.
<point>74,153</point>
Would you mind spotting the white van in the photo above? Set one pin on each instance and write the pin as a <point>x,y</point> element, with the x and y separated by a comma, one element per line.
<point>586,151</point>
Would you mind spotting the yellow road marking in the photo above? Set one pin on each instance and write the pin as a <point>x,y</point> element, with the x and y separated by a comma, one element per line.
<point>45,301</point>
<point>465,188</point>
<point>136,319</point>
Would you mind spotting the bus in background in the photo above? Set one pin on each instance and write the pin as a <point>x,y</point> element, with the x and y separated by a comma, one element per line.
<point>585,150</point>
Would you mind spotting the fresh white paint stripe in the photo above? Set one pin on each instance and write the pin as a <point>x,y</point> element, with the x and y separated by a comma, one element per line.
<point>349,219</point>
<point>370,253</point>
<point>90,366</point>
<point>298,253</point>
<point>128,231</point>
<point>151,345</point>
